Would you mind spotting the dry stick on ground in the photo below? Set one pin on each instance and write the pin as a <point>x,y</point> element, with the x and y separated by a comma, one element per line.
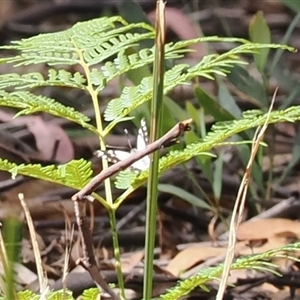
<point>240,204</point>
<point>43,281</point>
<point>88,260</point>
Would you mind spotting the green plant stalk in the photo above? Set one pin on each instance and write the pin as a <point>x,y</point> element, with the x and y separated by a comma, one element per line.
<point>107,184</point>
<point>156,120</point>
<point>114,234</point>
<point>11,235</point>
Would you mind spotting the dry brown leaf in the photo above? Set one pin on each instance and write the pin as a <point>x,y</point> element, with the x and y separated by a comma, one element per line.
<point>7,10</point>
<point>285,293</point>
<point>277,163</point>
<point>130,262</point>
<point>46,136</point>
<point>24,275</point>
<point>265,228</point>
<point>187,258</point>
<point>287,129</point>
<point>294,185</point>
<point>238,274</point>
<point>269,287</point>
<point>272,243</point>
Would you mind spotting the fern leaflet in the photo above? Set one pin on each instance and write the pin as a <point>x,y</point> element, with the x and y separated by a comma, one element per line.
<point>220,64</point>
<point>31,103</point>
<point>96,39</point>
<point>35,79</point>
<point>75,174</point>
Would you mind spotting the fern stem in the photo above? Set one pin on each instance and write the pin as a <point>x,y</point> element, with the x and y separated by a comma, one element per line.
<point>94,96</point>
<point>114,234</point>
<point>108,191</point>
<point>107,184</point>
<point>109,200</point>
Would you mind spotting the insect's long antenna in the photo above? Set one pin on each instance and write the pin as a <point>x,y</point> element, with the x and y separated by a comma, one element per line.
<point>128,138</point>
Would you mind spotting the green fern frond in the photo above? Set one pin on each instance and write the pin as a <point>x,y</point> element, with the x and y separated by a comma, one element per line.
<point>96,40</point>
<point>134,96</point>
<point>123,63</point>
<point>221,63</point>
<point>114,45</point>
<point>91,42</point>
<point>90,294</point>
<point>210,65</point>
<point>26,295</point>
<point>130,98</point>
<point>257,262</point>
<point>57,295</point>
<point>223,130</point>
<point>36,79</point>
<point>60,295</point>
<point>219,132</point>
<point>75,174</point>
<point>31,103</point>
<point>125,178</point>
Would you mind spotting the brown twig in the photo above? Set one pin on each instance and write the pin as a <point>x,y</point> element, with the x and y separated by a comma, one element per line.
<point>171,135</point>
<point>88,261</point>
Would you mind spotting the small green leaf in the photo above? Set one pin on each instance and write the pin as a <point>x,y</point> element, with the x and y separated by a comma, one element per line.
<point>177,111</point>
<point>212,107</point>
<point>250,86</point>
<point>184,195</point>
<point>217,180</point>
<point>193,112</point>
<point>260,33</point>
<point>292,4</point>
<point>227,101</point>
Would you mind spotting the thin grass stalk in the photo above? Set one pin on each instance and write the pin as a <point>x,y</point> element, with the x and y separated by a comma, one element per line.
<point>240,204</point>
<point>156,120</point>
